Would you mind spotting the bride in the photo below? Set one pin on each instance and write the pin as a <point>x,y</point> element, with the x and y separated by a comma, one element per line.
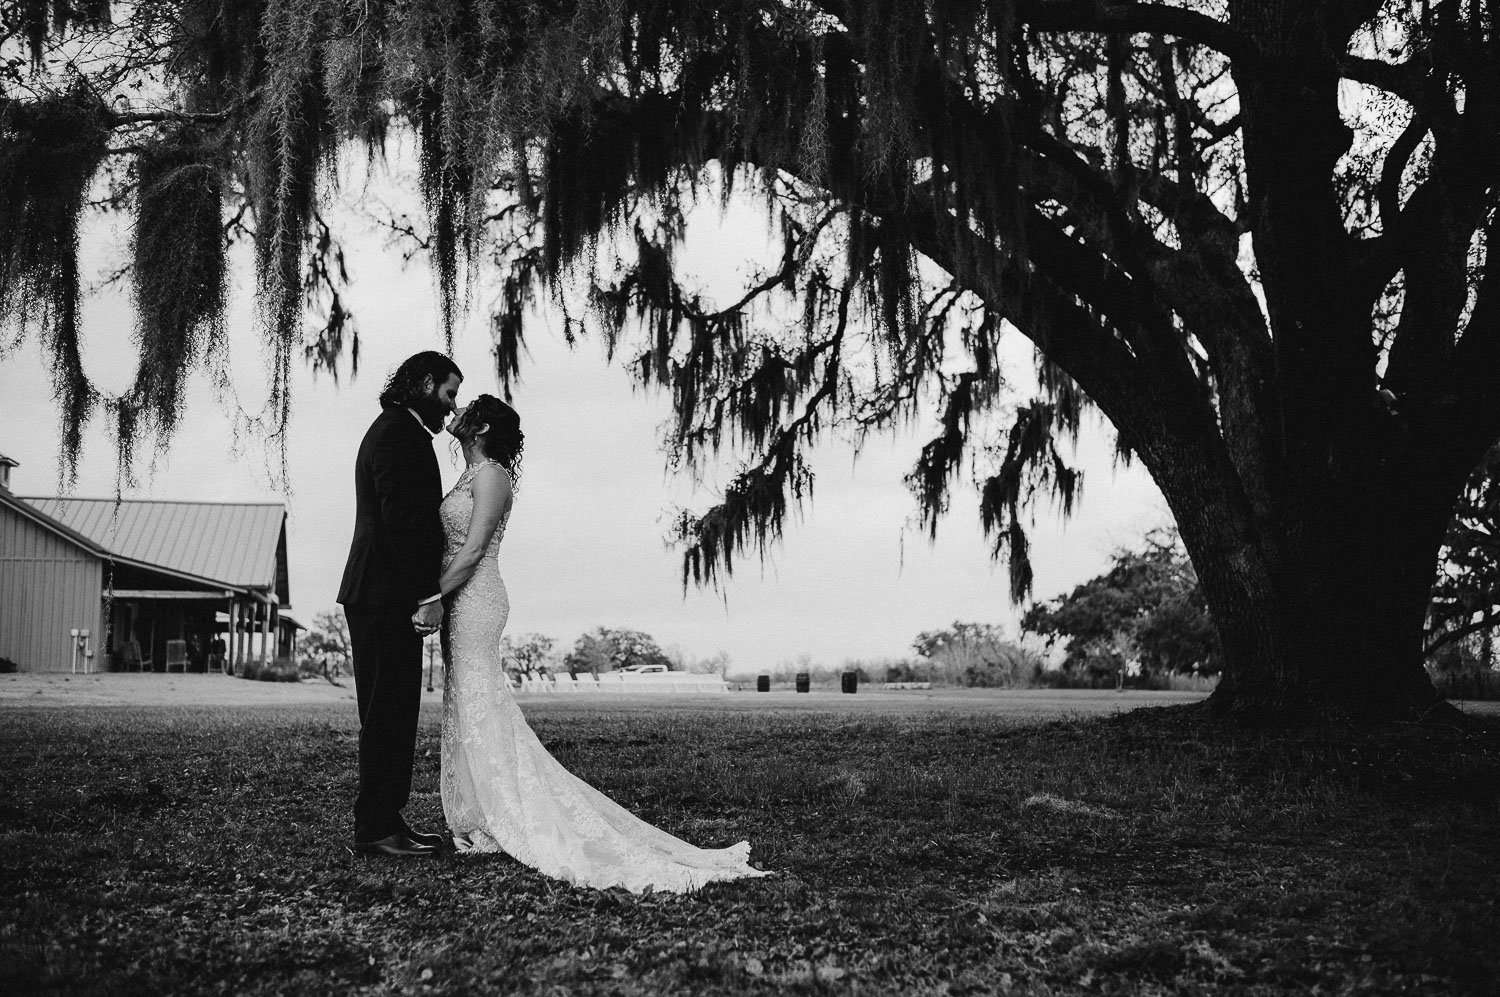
<point>501,790</point>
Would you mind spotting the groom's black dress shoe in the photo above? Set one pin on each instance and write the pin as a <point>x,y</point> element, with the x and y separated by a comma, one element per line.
<point>435,840</point>
<point>395,844</point>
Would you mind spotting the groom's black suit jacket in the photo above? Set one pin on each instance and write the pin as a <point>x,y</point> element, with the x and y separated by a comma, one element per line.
<point>397,553</point>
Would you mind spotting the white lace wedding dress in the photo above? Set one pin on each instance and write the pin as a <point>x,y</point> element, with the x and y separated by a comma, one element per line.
<point>503,791</point>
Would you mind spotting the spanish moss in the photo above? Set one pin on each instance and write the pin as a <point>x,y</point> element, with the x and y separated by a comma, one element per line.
<point>179,272</point>
<point>50,151</point>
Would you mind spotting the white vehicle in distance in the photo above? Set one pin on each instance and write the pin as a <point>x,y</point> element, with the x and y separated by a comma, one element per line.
<point>644,669</point>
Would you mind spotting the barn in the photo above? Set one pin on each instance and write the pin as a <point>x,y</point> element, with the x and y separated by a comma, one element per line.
<point>93,584</point>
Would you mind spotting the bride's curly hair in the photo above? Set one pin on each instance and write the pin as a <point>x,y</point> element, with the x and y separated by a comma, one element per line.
<point>503,441</point>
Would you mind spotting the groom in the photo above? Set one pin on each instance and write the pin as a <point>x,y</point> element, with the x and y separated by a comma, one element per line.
<point>390,593</point>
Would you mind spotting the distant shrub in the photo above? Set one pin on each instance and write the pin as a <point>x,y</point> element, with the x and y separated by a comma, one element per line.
<point>1023,668</point>
<point>1180,682</point>
<point>276,672</point>
<point>1068,678</point>
<point>1467,684</point>
<point>7,666</point>
<point>820,676</point>
<point>977,655</point>
<point>1465,668</point>
<point>1156,681</point>
<point>1014,668</point>
<point>902,670</point>
<point>321,666</point>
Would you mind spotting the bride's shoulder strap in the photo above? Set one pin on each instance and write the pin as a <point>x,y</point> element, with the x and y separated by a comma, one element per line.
<point>493,470</point>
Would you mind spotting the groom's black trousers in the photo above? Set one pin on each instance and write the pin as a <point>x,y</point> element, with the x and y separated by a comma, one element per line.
<point>388,682</point>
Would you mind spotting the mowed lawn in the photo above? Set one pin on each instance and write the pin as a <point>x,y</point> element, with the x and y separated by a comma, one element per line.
<point>917,851</point>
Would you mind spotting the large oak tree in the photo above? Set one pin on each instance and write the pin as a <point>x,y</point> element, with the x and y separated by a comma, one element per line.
<point>1253,233</point>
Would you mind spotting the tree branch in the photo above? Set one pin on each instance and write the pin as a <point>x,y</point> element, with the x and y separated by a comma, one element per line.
<point>1388,191</point>
<point>1101,364</point>
<point>1118,288</point>
<point>116,119</point>
<point>1217,131</point>
<point>1432,238</point>
<point>1447,637</point>
<point>1135,18</point>
<point>1404,79</point>
<point>1203,283</point>
<point>1477,354</point>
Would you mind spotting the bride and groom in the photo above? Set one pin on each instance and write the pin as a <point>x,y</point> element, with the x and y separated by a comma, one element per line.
<point>423,561</point>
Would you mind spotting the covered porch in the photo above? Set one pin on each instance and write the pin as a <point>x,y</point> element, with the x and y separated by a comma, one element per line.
<point>195,630</point>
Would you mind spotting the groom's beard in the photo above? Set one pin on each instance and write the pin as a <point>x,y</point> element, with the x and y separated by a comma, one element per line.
<point>432,412</point>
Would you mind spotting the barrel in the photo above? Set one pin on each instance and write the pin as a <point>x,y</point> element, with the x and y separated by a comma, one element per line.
<point>849,682</point>
<point>804,682</point>
<point>763,683</point>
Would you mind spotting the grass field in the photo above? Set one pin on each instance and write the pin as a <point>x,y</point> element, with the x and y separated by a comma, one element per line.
<point>199,850</point>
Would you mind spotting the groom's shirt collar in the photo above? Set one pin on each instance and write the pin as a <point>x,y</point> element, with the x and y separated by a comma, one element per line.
<point>414,415</point>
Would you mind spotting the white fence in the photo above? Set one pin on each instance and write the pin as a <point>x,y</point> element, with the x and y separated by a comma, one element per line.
<point>617,682</point>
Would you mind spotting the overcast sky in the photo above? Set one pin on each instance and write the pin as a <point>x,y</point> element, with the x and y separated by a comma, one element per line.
<point>854,578</point>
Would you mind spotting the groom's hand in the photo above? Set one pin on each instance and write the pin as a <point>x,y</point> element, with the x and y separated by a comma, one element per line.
<point>428,617</point>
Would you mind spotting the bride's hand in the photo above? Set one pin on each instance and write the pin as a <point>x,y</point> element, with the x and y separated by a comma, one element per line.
<point>428,618</point>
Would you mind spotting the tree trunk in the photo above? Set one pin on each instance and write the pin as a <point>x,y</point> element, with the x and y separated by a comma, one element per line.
<point>1356,601</point>
<point>1319,598</point>
<point>1336,630</point>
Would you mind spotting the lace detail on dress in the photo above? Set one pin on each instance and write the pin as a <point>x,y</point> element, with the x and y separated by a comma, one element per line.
<point>503,791</point>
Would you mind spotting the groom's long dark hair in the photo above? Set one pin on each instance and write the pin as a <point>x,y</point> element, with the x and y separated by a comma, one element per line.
<point>408,382</point>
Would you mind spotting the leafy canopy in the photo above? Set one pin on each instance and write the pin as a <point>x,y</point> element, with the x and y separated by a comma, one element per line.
<point>605,649</point>
<point>1149,600</point>
<point>528,652</point>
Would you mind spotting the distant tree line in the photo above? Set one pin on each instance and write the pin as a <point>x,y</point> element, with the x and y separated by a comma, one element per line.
<point>607,649</point>
<point>1142,623</point>
<point>324,649</point>
<point>1145,620</point>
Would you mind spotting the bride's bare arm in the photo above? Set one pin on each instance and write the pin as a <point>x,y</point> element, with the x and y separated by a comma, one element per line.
<point>492,497</point>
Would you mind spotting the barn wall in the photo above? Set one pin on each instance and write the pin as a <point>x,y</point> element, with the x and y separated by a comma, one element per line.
<point>48,586</point>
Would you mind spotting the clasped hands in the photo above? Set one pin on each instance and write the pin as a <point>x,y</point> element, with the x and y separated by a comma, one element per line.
<point>428,617</point>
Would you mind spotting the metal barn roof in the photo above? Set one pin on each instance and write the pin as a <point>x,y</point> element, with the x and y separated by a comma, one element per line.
<point>230,542</point>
